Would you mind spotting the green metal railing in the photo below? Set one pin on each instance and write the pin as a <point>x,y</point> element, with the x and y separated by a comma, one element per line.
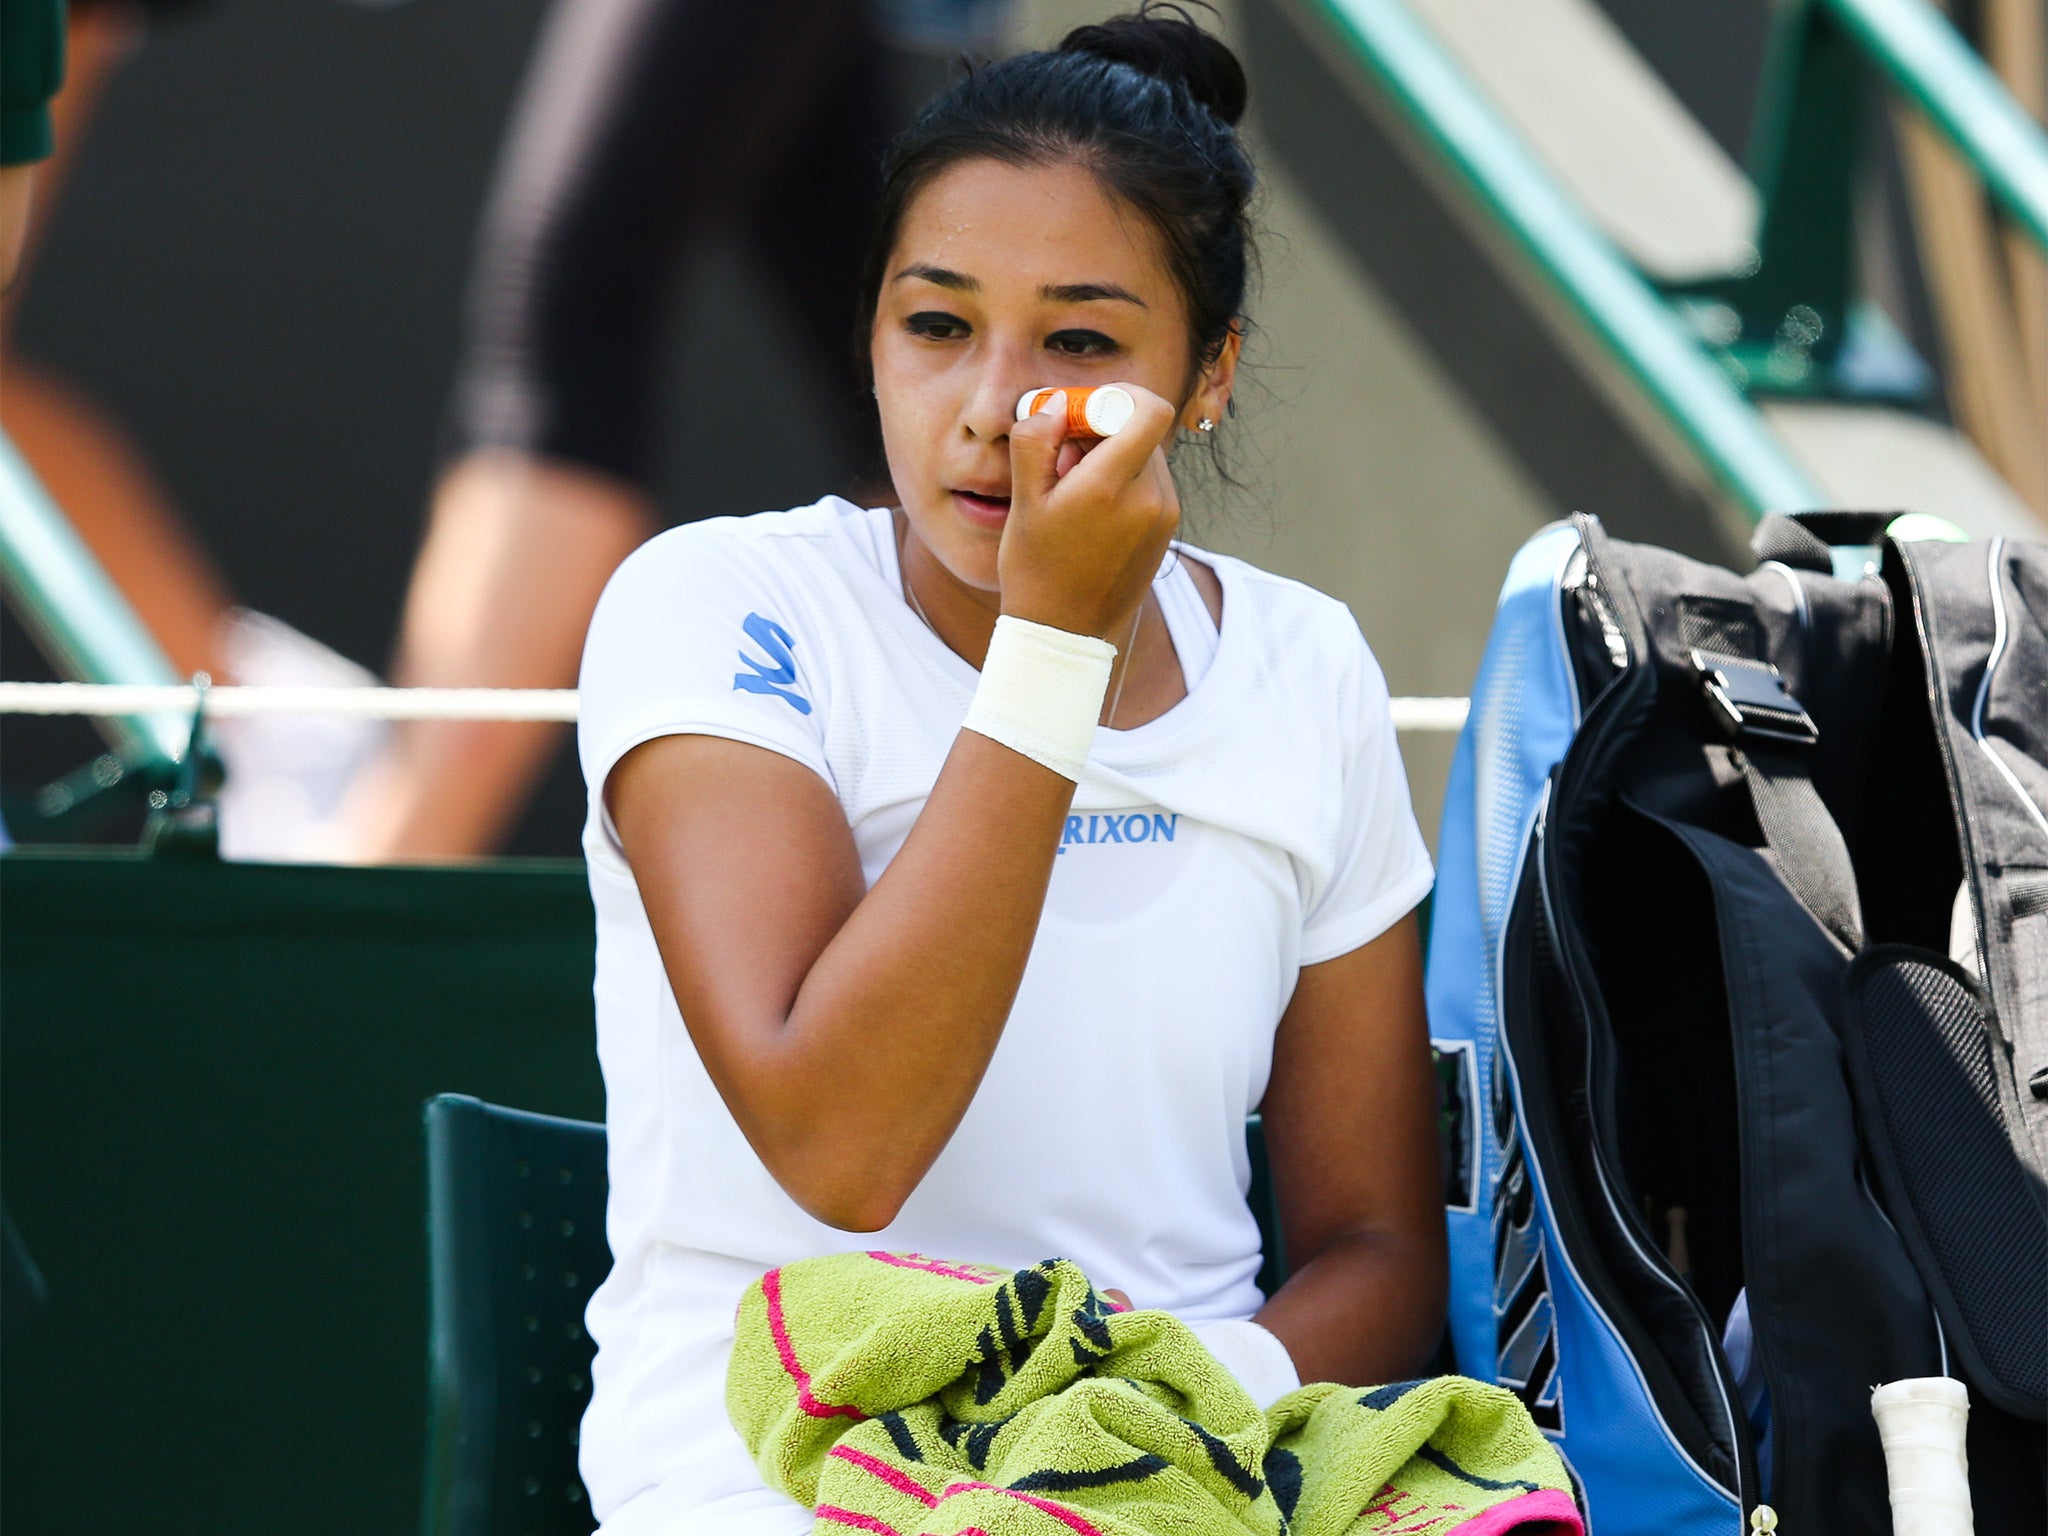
<point>1631,319</point>
<point>1794,312</point>
<point>1696,352</point>
<point>1924,59</point>
<point>87,630</point>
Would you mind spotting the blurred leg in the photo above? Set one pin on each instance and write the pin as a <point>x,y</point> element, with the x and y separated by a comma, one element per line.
<point>94,473</point>
<point>518,550</point>
<point>17,190</point>
<point>639,119</point>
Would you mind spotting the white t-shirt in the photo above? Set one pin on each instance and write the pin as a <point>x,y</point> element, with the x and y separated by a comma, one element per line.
<point>1260,825</point>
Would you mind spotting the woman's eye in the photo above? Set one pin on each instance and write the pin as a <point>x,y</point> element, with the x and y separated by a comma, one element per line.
<point>938,325</point>
<point>1080,343</point>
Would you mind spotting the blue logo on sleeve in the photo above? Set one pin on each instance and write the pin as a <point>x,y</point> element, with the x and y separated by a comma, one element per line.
<point>774,675</point>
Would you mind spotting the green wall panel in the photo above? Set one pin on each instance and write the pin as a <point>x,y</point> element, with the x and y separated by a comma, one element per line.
<point>210,1085</point>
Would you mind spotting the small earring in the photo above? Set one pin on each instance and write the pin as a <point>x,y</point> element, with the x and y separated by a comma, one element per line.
<point>1206,424</point>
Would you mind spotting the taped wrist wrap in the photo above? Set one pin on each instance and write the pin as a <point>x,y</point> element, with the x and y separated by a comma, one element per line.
<point>1041,693</point>
<point>1253,1355</point>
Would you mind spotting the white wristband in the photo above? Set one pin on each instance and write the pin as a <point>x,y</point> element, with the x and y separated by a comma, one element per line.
<point>1252,1354</point>
<point>1041,693</point>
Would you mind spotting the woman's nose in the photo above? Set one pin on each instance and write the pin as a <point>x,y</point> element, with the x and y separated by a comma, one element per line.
<point>992,407</point>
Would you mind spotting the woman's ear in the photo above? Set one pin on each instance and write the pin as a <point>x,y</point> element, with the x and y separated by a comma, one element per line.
<point>1211,399</point>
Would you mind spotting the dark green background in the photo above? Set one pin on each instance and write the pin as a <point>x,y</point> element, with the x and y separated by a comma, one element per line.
<point>210,1088</point>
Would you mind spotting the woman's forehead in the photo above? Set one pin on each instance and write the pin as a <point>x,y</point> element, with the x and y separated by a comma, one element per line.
<point>1010,227</point>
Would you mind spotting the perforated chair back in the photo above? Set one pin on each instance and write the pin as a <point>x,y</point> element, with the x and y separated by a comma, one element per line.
<point>515,1241</point>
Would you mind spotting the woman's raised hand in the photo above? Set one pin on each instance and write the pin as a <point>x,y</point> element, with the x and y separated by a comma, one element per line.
<point>1080,547</point>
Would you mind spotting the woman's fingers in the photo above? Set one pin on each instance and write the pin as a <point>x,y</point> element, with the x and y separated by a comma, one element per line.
<point>1118,461</point>
<point>1088,522</point>
<point>1036,444</point>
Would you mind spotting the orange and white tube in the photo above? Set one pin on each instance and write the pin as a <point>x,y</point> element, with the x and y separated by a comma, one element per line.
<point>1101,411</point>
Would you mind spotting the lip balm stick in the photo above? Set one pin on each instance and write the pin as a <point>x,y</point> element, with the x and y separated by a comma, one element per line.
<point>1101,411</point>
<point>1921,1421</point>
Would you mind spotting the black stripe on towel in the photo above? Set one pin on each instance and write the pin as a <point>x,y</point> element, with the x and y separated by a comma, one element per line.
<point>1033,1286</point>
<point>1006,1320</point>
<point>1068,1482</point>
<point>1439,1460</point>
<point>900,1436</point>
<point>1224,1459</point>
<point>1382,1398</point>
<point>1283,1476</point>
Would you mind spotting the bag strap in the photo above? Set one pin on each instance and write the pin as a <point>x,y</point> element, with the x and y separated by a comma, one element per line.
<point>1812,858</point>
<point>1771,733</point>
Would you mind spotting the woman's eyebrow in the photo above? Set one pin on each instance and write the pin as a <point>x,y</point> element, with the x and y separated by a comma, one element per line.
<point>1084,293</point>
<point>941,277</point>
<point>1058,293</point>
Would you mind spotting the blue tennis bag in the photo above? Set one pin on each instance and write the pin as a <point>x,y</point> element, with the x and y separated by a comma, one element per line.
<point>1738,984</point>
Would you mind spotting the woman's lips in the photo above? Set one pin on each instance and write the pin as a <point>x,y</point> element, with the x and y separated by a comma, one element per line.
<point>988,511</point>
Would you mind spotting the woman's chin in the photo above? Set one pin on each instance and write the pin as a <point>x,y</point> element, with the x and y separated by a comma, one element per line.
<point>968,550</point>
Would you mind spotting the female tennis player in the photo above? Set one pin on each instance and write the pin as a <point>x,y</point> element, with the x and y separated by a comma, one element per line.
<point>967,870</point>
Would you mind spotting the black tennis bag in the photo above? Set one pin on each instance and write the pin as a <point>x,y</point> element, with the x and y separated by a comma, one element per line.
<point>1752,1141</point>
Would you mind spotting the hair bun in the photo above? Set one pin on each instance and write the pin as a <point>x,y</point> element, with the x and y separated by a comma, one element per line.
<point>1165,42</point>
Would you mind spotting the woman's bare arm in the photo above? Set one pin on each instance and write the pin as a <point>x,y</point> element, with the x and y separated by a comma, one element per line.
<point>846,1030</point>
<point>1351,1131</point>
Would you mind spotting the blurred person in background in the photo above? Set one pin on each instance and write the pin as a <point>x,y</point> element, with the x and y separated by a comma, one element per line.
<point>640,123</point>
<point>284,775</point>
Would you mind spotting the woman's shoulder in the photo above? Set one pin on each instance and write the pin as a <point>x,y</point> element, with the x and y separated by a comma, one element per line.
<point>805,556</point>
<point>730,625</point>
<point>1301,628</point>
<point>704,581</point>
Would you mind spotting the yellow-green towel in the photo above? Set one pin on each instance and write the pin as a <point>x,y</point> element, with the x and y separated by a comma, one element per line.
<point>906,1396</point>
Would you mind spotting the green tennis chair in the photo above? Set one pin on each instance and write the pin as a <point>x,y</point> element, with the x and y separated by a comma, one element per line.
<point>515,1244</point>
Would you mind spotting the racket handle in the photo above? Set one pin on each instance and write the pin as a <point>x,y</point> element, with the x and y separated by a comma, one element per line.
<point>1922,1422</point>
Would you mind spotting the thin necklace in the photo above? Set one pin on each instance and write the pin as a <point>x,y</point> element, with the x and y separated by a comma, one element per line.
<point>1122,674</point>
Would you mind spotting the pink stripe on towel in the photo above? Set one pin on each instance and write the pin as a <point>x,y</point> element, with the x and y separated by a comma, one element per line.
<point>930,1266</point>
<point>859,1522</point>
<point>1059,1512</point>
<point>771,1292</point>
<point>886,1473</point>
<point>1546,1512</point>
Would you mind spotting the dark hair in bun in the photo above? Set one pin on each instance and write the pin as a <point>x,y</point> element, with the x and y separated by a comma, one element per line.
<point>1149,102</point>
<point>1164,41</point>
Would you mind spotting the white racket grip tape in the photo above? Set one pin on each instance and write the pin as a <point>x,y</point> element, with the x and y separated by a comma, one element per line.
<point>1041,693</point>
<point>1922,1422</point>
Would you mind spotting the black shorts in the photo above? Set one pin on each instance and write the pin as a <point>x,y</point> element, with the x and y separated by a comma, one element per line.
<point>640,123</point>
